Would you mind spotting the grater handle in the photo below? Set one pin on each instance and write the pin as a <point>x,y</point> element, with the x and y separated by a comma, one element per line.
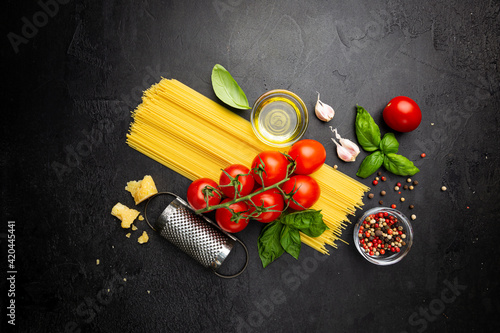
<point>244,266</point>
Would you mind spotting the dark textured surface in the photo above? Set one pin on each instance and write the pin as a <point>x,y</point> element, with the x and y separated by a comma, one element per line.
<point>67,95</point>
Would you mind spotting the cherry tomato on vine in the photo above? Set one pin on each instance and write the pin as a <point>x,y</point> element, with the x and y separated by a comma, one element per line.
<point>309,156</point>
<point>245,183</point>
<point>198,189</point>
<point>270,199</point>
<point>402,114</point>
<point>272,165</point>
<point>223,217</point>
<point>307,191</point>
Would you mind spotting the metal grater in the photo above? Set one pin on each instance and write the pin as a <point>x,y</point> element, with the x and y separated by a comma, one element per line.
<point>196,235</point>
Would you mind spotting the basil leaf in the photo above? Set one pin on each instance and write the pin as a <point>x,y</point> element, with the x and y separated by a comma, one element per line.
<point>227,89</point>
<point>269,243</point>
<point>367,132</point>
<point>370,164</point>
<point>290,240</point>
<point>399,165</point>
<point>309,221</point>
<point>389,144</point>
<point>300,219</point>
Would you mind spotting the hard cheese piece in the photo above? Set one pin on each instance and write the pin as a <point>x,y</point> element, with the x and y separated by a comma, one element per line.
<point>144,238</point>
<point>142,189</point>
<point>125,214</point>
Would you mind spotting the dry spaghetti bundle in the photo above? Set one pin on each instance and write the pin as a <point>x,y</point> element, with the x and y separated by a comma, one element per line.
<point>196,137</point>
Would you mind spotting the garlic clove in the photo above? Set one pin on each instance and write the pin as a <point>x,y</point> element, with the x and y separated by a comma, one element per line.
<point>344,154</point>
<point>346,150</point>
<point>351,146</point>
<point>323,111</point>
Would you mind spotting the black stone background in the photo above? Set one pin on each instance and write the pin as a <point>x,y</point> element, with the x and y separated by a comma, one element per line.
<point>83,71</point>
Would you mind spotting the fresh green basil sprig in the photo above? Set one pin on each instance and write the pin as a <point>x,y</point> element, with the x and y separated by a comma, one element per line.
<point>383,150</point>
<point>227,89</point>
<point>283,235</point>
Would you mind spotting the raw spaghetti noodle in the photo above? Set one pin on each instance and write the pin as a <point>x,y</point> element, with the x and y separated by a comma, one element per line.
<point>196,137</point>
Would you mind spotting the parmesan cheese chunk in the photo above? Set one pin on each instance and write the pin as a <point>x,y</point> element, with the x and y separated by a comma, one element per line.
<point>142,189</point>
<point>144,238</point>
<point>125,214</point>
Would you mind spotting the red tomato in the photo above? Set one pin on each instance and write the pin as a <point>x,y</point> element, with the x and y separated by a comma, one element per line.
<point>197,190</point>
<point>245,183</point>
<point>223,217</point>
<point>271,199</point>
<point>307,194</point>
<point>273,166</point>
<point>402,114</point>
<point>309,156</point>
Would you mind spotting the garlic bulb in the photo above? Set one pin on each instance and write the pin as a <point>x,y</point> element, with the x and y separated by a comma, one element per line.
<point>346,150</point>
<point>324,112</point>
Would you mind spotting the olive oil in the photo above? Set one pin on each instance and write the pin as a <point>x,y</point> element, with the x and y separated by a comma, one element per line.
<point>278,120</point>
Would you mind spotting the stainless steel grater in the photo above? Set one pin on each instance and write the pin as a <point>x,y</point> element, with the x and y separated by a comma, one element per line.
<point>196,235</point>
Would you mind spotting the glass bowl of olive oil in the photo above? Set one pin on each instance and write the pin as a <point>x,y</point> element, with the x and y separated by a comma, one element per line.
<point>279,118</point>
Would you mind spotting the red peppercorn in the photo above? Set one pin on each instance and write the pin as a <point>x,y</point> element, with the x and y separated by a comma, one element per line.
<point>386,214</point>
<point>393,206</point>
<point>367,234</point>
<point>400,232</point>
<point>383,178</point>
<point>389,231</point>
<point>393,249</point>
<point>398,249</point>
<point>422,155</point>
<point>371,253</point>
<point>375,182</point>
<point>382,251</point>
<point>380,214</point>
<point>376,225</point>
<point>398,184</point>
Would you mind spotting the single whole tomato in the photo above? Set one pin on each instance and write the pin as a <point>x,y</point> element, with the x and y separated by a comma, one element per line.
<point>272,165</point>
<point>223,216</point>
<point>306,189</point>
<point>244,183</point>
<point>402,114</point>
<point>309,155</point>
<point>198,189</point>
<point>270,199</point>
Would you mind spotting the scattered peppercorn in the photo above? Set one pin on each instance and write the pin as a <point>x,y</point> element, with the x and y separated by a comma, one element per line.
<point>415,182</point>
<point>375,182</point>
<point>405,187</point>
<point>411,206</point>
<point>371,195</point>
<point>396,188</point>
<point>408,180</point>
<point>413,216</point>
<point>422,155</point>
<point>411,187</point>
<point>398,184</point>
<point>402,199</point>
<point>380,202</point>
<point>376,178</point>
<point>393,206</point>
<point>382,193</point>
<point>335,166</point>
<point>383,178</point>
<point>379,173</point>
<point>443,188</point>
